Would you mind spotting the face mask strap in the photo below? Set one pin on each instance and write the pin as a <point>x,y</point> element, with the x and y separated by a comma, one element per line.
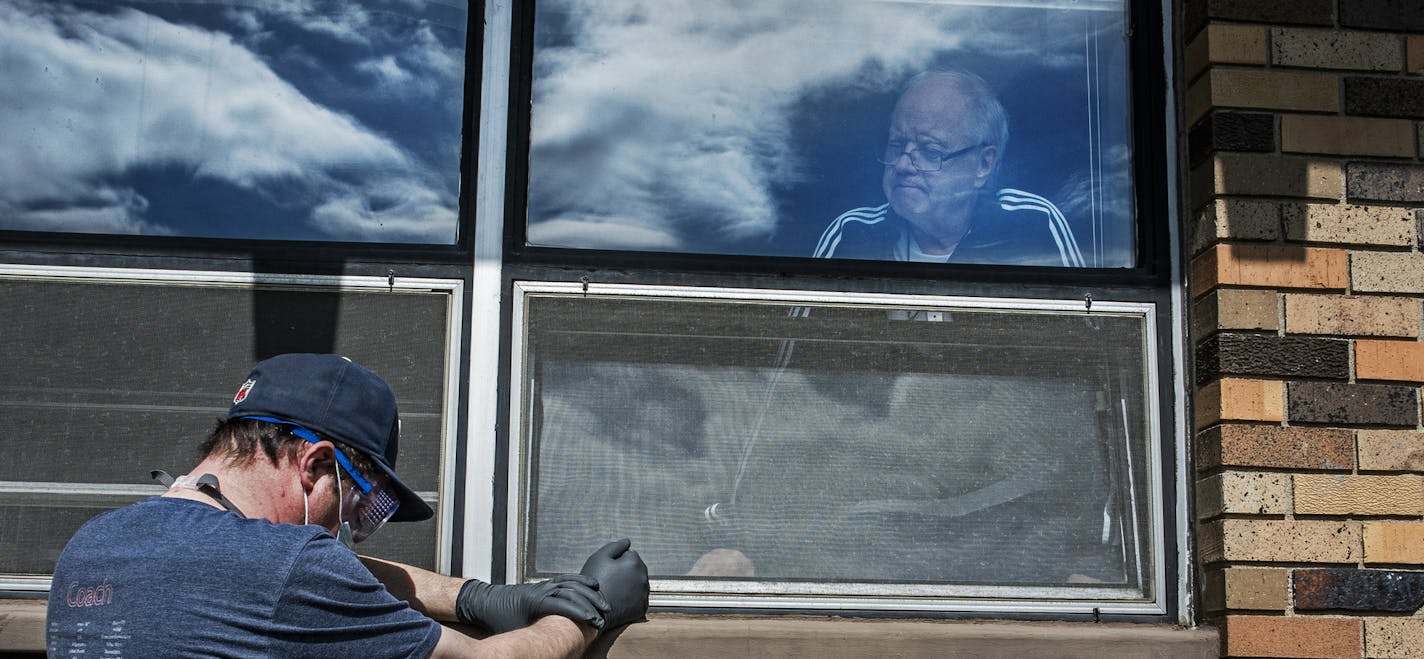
<point>343,528</point>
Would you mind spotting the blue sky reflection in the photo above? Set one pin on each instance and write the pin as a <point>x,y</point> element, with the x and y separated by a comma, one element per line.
<point>743,128</point>
<point>270,119</point>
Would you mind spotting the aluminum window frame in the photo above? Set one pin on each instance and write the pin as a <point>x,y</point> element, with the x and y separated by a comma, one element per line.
<point>772,594</point>
<point>500,260</point>
<point>34,493</point>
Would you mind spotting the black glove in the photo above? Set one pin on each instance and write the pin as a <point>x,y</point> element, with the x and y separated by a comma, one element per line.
<point>499,609</point>
<point>622,579</point>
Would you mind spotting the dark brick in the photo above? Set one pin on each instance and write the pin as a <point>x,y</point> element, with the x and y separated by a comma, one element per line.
<point>1384,97</point>
<point>1364,404</point>
<point>1196,13</point>
<point>1393,15</point>
<point>1419,223</point>
<point>1243,445</point>
<point>1373,181</point>
<point>1271,355</point>
<point>1350,589</point>
<point>1232,131</point>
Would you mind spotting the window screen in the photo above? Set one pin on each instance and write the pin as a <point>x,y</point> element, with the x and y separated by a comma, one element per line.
<point>106,380</point>
<point>907,447</point>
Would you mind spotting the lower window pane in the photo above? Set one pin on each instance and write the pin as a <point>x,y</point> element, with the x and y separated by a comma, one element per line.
<point>110,378</point>
<point>823,449</point>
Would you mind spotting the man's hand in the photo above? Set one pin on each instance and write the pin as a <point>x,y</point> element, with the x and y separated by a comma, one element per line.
<point>622,579</point>
<point>499,609</point>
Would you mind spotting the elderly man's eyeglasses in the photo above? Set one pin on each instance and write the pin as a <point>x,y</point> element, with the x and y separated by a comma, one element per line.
<point>923,157</point>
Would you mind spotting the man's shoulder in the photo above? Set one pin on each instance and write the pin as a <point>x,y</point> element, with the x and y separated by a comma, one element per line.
<point>169,572</point>
<point>862,232</point>
<point>158,515</point>
<point>1017,227</point>
<point>162,534</point>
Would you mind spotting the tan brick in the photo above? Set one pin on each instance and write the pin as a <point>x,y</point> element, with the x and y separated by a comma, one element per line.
<point>1352,316</point>
<point>1274,266</point>
<point>1387,272</point>
<point>1246,493</point>
<point>1206,318</point>
<point>1198,100</point>
<point>1347,494</point>
<point>1351,136</point>
<point>1414,44</point>
<point>1247,588</point>
<point>1247,309</point>
<point>1398,638</point>
<point>1232,399</point>
<point>1241,219</point>
<point>1267,175</point>
<point>1257,588</point>
<point>1391,450</point>
<point>1226,44</point>
<point>1196,56</point>
<point>1330,49</point>
<point>1314,637</point>
<point>1389,360</point>
<point>1349,224</point>
<point>1293,541</point>
<point>1391,543</point>
<point>1252,445</point>
<point>1274,90</point>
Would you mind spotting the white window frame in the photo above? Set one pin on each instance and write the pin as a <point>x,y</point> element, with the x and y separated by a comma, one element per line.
<point>757,594</point>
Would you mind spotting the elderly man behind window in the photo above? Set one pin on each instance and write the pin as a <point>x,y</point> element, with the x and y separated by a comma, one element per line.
<point>947,137</point>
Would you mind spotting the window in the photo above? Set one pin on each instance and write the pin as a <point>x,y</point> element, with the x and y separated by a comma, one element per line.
<point>886,447</point>
<point>861,306</point>
<point>739,130</point>
<point>325,120</point>
<point>192,186</point>
<point>114,373</point>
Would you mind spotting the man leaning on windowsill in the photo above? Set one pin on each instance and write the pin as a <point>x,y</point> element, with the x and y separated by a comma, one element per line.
<point>249,554</point>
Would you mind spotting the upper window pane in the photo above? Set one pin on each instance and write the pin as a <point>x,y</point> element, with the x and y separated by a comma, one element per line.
<point>273,119</point>
<point>968,132</point>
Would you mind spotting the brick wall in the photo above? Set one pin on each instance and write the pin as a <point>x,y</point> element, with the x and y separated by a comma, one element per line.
<point>1306,210</point>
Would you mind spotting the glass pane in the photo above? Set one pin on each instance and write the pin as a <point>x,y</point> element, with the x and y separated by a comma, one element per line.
<point>116,379</point>
<point>996,131</point>
<point>324,120</point>
<point>840,444</point>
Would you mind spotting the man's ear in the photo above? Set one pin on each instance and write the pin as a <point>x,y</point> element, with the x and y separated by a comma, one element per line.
<point>313,461</point>
<point>988,159</point>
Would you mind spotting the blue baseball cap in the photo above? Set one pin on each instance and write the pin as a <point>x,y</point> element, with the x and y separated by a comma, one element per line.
<point>339,400</point>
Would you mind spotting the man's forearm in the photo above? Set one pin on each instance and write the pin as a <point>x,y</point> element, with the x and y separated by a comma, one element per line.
<point>549,637</point>
<point>428,592</point>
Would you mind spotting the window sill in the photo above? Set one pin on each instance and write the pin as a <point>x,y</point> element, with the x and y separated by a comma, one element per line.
<point>670,635</point>
<point>693,637</point>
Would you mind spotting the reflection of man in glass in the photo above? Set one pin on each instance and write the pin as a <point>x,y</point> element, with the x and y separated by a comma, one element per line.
<point>947,137</point>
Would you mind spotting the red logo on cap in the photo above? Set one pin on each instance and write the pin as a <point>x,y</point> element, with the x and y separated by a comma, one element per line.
<point>242,391</point>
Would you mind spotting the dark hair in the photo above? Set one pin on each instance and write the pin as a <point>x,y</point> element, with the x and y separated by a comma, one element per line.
<point>238,440</point>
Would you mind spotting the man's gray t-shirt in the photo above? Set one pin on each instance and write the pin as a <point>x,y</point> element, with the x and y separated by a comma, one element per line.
<point>174,577</point>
